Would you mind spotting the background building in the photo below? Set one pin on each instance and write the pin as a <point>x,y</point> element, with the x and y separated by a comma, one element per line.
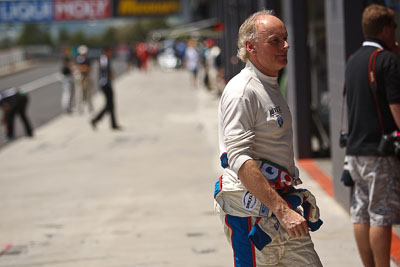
<point>322,35</point>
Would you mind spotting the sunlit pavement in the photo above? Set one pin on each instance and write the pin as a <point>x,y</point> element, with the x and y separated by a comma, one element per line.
<point>138,197</point>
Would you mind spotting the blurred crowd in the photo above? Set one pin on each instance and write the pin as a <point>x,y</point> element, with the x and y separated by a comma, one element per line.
<point>201,59</point>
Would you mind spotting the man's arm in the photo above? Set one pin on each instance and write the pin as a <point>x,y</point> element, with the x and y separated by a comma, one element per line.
<point>255,182</point>
<point>395,108</point>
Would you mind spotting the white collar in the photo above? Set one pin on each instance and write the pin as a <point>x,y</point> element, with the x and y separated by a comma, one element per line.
<point>260,75</point>
<point>371,43</point>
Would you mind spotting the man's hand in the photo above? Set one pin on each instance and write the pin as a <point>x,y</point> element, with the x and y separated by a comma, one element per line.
<point>395,109</point>
<point>294,223</point>
<point>257,184</point>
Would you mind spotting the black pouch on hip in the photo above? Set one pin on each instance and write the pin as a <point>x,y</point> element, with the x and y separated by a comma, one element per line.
<point>346,177</point>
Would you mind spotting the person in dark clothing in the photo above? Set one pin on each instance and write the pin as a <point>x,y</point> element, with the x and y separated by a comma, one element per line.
<point>13,102</point>
<point>105,78</point>
<point>372,83</point>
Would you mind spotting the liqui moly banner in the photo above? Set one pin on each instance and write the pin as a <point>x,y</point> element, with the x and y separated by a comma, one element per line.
<point>81,9</point>
<point>72,10</point>
<point>26,11</point>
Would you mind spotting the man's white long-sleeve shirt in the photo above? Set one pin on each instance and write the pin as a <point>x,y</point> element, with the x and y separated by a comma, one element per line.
<point>254,122</point>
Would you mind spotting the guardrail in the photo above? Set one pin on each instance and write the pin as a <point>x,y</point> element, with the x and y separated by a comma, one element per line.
<point>12,60</point>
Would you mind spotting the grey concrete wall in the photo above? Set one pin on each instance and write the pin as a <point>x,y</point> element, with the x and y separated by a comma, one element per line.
<point>233,13</point>
<point>334,15</point>
<point>298,75</point>
<point>343,38</point>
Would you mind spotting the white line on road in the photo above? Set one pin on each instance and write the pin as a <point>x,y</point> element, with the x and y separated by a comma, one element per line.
<point>46,80</point>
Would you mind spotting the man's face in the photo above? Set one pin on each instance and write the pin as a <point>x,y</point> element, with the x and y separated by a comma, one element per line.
<point>388,36</point>
<point>268,51</point>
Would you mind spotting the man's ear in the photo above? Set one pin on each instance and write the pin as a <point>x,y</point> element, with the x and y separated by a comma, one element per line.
<point>250,47</point>
<point>385,35</point>
<point>386,30</point>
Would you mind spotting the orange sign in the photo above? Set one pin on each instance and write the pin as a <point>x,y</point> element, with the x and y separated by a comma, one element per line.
<point>145,7</point>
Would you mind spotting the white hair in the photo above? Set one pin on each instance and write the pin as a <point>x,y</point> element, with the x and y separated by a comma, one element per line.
<point>247,32</point>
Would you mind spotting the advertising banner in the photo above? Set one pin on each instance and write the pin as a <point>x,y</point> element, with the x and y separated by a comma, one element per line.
<point>123,8</point>
<point>25,11</point>
<point>66,10</point>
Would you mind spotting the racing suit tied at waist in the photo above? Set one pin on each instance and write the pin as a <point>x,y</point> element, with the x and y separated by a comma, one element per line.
<point>232,198</point>
<point>278,176</point>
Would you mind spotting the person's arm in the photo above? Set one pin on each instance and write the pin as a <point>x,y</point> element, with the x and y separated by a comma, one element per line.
<point>238,120</point>
<point>395,108</point>
<point>392,82</point>
<point>83,68</point>
<point>255,182</point>
<point>110,70</point>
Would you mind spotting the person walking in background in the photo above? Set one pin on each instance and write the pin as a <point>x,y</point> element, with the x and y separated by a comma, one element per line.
<point>372,84</point>
<point>256,144</point>
<point>132,60</point>
<point>83,64</point>
<point>180,47</point>
<point>13,102</point>
<point>68,93</point>
<point>142,55</point>
<point>213,76</point>
<point>105,79</point>
<point>192,60</point>
<point>153,50</point>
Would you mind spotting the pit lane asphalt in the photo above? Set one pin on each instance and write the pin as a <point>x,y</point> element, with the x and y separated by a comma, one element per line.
<point>138,197</point>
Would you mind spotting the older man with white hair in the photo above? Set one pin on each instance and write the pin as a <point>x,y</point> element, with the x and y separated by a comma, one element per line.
<point>256,143</point>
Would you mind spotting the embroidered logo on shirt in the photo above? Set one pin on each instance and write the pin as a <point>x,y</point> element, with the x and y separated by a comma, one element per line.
<point>249,201</point>
<point>274,111</point>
